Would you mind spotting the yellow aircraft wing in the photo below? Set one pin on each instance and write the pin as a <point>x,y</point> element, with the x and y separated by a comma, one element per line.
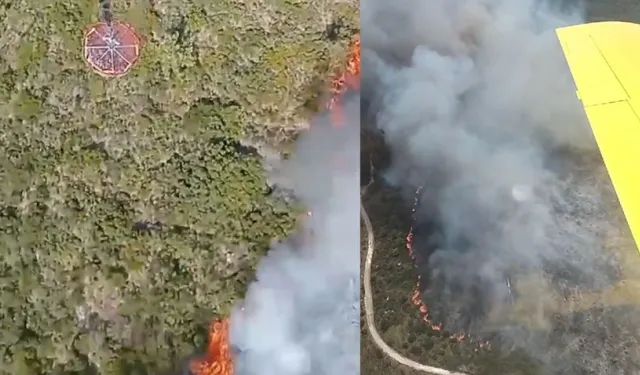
<point>604,59</point>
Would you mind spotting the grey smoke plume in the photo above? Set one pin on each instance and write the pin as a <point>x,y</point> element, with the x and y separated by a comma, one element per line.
<point>477,105</point>
<point>301,316</point>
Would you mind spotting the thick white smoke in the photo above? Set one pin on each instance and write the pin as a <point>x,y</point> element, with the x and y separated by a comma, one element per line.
<point>302,314</point>
<point>476,104</point>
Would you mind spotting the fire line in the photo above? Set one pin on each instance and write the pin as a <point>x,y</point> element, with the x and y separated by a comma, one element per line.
<point>218,359</point>
<point>415,295</point>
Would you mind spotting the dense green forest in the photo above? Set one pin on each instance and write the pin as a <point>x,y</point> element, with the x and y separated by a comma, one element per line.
<point>134,210</point>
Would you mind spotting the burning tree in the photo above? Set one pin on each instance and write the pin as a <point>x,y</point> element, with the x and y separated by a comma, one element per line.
<point>217,360</point>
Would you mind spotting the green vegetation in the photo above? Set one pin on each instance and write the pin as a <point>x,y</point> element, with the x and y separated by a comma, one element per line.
<point>132,210</point>
<point>393,280</point>
<point>398,320</point>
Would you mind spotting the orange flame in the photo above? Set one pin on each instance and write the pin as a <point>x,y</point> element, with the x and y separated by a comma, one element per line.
<point>218,358</point>
<point>415,295</point>
<point>346,79</point>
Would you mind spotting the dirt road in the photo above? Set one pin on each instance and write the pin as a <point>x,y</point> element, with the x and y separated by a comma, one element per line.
<point>369,310</point>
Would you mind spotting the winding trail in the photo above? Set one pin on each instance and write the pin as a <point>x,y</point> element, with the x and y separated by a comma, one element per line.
<point>369,312</point>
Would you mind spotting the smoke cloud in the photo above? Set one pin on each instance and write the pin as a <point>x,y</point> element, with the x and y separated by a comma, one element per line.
<point>477,106</point>
<point>302,314</point>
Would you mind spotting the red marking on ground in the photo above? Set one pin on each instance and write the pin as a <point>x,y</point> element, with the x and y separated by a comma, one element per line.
<point>111,51</point>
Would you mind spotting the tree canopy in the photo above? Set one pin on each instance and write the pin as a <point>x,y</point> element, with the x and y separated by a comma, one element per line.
<point>132,211</point>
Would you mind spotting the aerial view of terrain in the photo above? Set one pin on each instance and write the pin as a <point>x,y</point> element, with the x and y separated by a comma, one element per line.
<point>134,209</point>
<point>488,258</point>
